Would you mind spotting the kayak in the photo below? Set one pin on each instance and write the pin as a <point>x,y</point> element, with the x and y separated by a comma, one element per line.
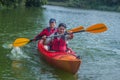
<point>61,60</point>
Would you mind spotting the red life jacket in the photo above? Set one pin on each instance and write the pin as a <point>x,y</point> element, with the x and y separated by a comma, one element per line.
<point>59,44</point>
<point>47,31</point>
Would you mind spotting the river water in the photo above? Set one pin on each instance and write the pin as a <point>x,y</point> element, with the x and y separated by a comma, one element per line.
<point>100,52</point>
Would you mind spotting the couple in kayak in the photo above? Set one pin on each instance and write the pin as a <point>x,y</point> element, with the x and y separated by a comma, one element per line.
<point>55,38</point>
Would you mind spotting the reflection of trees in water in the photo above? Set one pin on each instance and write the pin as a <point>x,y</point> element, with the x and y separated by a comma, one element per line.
<point>57,74</point>
<point>18,69</point>
<point>20,19</point>
<point>17,64</point>
<point>65,75</point>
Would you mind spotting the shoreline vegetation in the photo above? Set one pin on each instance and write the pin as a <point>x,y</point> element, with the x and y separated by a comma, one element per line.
<point>11,4</point>
<point>115,8</point>
<point>103,5</point>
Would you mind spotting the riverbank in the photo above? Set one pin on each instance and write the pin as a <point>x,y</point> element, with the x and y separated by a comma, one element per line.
<point>102,7</point>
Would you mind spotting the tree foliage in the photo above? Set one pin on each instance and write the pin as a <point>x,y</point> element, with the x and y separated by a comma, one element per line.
<point>83,3</point>
<point>113,5</point>
<point>27,3</point>
<point>58,0</point>
<point>35,3</point>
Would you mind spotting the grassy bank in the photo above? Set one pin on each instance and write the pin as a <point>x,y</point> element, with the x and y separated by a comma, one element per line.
<point>101,7</point>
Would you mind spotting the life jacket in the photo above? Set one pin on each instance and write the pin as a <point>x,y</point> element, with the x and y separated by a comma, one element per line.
<point>47,31</point>
<point>59,44</point>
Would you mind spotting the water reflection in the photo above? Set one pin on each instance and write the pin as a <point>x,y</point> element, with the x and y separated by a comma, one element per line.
<point>65,76</point>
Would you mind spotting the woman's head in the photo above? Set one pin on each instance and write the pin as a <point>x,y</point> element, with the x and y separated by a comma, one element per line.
<point>61,28</point>
<point>63,25</point>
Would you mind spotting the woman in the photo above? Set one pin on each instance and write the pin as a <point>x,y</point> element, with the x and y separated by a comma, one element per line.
<point>58,40</point>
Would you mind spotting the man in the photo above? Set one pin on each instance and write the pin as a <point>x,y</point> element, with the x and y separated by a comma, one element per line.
<point>47,31</point>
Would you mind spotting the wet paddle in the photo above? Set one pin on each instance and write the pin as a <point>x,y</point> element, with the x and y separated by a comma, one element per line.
<point>23,41</point>
<point>76,29</point>
<point>97,28</point>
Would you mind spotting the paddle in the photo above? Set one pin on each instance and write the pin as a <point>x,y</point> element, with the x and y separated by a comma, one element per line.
<point>97,28</point>
<point>23,41</point>
<point>76,29</point>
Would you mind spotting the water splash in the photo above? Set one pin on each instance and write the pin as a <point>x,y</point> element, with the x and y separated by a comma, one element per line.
<point>7,46</point>
<point>17,54</point>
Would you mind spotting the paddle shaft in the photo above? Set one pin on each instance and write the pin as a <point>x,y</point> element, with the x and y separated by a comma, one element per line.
<point>87,30</point>
<point>80,31</point>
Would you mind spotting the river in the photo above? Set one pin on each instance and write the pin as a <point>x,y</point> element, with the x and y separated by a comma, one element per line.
<point>100,52</point>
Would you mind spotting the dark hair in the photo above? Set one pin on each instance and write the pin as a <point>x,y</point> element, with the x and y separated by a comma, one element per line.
<point>62,24</point>
<point>52,20</point>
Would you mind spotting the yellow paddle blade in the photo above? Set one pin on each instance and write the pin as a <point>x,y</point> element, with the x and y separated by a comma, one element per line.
<point>20,42</point>
<point>76,29</point>
<point>97,28</point>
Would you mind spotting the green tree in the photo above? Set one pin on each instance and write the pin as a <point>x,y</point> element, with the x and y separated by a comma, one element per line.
<point>58,0</point>
<point>35,3</point>
<point>93,3</point>
<point>27,3</point>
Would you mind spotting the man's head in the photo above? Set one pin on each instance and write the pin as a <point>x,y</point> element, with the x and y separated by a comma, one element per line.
<point>52,22</point>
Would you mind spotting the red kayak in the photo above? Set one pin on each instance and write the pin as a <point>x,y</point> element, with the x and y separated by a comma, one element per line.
<point>61,60</point>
